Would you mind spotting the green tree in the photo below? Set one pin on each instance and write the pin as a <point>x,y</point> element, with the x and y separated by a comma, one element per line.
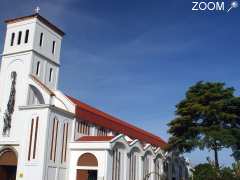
<point>208,171</point>
<point>233,107</point>
<point>236,170</point>
<point>206,118</point>
<point>226,173</point>
<point>204,171</point>
<point>236,150</point>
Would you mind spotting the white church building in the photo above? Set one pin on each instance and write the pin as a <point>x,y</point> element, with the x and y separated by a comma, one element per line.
<point>48,135</point>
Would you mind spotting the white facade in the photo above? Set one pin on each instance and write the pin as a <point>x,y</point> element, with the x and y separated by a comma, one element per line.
<point>45,132</point>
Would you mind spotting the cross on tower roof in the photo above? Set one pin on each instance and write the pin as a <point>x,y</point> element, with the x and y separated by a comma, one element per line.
<point>36,10</point>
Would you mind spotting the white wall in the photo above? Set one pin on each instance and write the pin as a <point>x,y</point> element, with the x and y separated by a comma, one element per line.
<point>48,37</point>
<point>59,168</point>
<point>34,167</point>
<point>35,28</point>
<point>20,64</point>
<point>15,28</point>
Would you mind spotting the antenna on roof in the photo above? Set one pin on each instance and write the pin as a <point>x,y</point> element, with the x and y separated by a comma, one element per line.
<point>37,10</point>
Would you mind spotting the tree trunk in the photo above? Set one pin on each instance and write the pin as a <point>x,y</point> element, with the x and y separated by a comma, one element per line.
<point>216,158</point>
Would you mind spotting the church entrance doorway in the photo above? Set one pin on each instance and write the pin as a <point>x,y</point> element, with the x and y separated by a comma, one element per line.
<point>8,165</point>
<point>86,174</point>
<point>87,167</point>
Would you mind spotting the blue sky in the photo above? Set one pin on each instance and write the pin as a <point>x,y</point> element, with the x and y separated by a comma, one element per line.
<point>135,59</point>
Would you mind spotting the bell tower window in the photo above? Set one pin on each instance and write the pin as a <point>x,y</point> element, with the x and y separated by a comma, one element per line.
<point>38,67</point>
<point>26,36</point>
<point>50,74</point>
<point>41,40</point>
<point>12,39</point>
<point>19,37</point>
<point>53,47</point>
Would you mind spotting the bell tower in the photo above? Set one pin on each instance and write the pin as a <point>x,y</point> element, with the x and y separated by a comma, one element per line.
<point>31,49</point>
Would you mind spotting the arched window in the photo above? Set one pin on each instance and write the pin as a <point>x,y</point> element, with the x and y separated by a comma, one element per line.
<point>87,159</point>
<point>8,164</point>
<point>90,161</point>
<point>8,158</point>
<point>35,96</point>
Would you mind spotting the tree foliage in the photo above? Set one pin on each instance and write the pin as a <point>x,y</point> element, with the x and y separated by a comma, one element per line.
<point>208,117</point>
<point>204,171</point>
<point>233,107</point>
<point>207,171</point>
<point>236,169</point>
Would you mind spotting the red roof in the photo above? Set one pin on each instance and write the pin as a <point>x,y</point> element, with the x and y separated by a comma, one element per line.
<point>95,138</point>
<point>95,116</point>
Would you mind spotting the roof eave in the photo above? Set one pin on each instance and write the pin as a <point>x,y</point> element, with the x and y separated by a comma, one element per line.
<point>40,18</point>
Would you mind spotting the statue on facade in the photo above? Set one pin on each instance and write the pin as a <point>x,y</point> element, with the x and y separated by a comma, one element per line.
<point>10,106</point>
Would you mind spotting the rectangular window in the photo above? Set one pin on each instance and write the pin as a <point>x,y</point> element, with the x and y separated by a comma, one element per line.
<point>102,132</point>
<point>116,168</point>
<point>54,140</point>
<point>26,36</point>
<point>132,166</point>
<point>78,126</point>
<point>64,142</point>
<point>83,128</point>
<point>35,138</point>
<point>53,47</point>
<point>38,67</point>
<point>165,167</point>
<point>30,141</point>
<point>146,165</point>
<point>12,39</point>
<point>53,134</point>
<point>41,40</point>
<point>119,165</point>
<point>50,75</point>
<point>157,169</point>
<point>19,37</point>
<point>180,173</point>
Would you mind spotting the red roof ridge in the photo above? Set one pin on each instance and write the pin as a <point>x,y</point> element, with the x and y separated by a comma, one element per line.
<point>147,136</point>
<point>95,138</point>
